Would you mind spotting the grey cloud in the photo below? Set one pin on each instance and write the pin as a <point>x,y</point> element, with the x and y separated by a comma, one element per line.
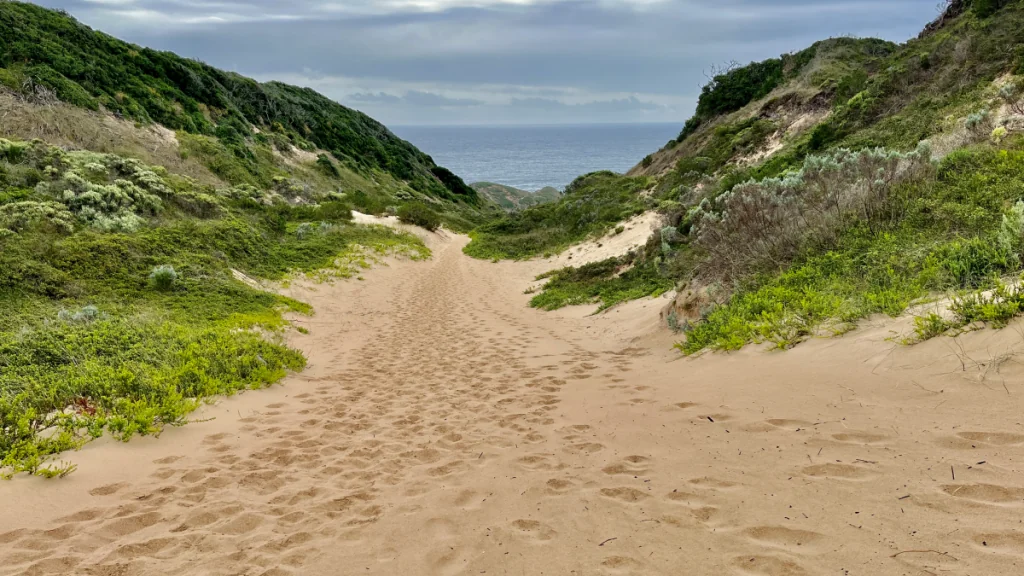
<point>418,98</point>
<point>570,52</point>
<point>411,98</point>
<point>378,98</point>
<point>631,104</point>
<point>513,111</point>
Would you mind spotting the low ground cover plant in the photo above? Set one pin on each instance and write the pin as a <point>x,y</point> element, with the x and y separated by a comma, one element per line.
<point>125,329</point>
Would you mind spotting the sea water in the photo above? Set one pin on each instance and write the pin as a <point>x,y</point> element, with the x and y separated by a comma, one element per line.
<point>532,157</point>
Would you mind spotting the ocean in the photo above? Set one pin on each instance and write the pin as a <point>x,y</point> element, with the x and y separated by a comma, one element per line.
<point>532,157</point>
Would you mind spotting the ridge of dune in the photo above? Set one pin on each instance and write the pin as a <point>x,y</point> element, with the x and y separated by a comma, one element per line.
<point>443,427</point>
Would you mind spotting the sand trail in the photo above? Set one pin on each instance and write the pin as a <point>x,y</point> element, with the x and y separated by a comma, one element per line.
<point>443,428</point>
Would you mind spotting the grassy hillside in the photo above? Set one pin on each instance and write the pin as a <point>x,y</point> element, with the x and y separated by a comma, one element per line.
<point>511,199</point>
<point>233,123</point>
<point>809,191</point>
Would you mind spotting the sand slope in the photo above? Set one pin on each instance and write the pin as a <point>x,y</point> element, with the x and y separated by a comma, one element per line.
<point>444,428</point>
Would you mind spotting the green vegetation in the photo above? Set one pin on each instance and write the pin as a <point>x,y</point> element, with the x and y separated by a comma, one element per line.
<point>841,66</point>
<point>958,228</point>
<point>609,282</point>
<point>804,195</point>
<point>985,8</point>
<point>419,215</point>
<point>122,307</point>
<point>511,199</point>
<point>47,55</point>
<point>592,204</point>
<point>734,89</point>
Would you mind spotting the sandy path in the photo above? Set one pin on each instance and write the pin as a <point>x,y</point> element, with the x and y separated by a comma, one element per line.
<point>444,428</point>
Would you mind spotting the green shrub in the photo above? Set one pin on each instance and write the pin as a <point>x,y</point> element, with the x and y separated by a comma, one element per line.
<point>324,162</point>
<point>939,230</point>
<point>86,315</point>
<point>12,79</point>
<point>1012,95</point>
<point>608,282</point>
<point>1004,303</point>
<point>459,190</point>
<point>163,277</point>
<point>757,225</point>
<point>930,326</point>
<point>979,123</point>
<point>19,216</point>
<point>419,215</point>
<point>986,8</point>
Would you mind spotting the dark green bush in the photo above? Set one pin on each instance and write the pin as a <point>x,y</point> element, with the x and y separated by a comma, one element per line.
<point>455,185</point>
<point>986,8</point>
<point>419,215</point>
<point>325,164</point>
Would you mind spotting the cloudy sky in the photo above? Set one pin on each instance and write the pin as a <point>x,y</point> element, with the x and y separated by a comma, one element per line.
<point>496,61</point>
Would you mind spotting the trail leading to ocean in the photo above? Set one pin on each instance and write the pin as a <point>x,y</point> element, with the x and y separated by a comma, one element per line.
<point>445,428</point>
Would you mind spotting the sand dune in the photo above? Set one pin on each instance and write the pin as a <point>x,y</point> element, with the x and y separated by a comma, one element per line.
<point>444,428</point>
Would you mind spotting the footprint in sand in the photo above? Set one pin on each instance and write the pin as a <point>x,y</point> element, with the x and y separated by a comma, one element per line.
<point>149,548</point>
<point>197,475</point>
<point>700,510</point>
<point>216,438</point>
<point>993,438</point>
<point>81,516</point>
<point>986,493</point>
<point>1010,543</point>
<point>198,520</point>
<point>781,537</point>
<point>130,524</point>
<point>838,471</point>
<point>769,566</point>
<point>629,466</point>
<point>534,530</point>
<point>628,495</point>
<point>539,462</point>
<point>684,497</point>
<point>12,536</point>
<point>265,482</point>
<point>713,418</point>
<point>713,483</point>
<point>860,438</point>
<point>620,565</point>
<point>559,486</point>
<point>108,489</point>
<point>789,424</point>
<point>534,438</point>
<point>586,448</point>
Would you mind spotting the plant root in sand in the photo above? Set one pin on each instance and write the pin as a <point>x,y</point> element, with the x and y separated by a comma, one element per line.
<point>445,428</point>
